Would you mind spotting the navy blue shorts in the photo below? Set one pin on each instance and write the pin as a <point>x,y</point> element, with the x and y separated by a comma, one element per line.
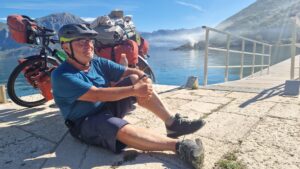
<point>101,129</point>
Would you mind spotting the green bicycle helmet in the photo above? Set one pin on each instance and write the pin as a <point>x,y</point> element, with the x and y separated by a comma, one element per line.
<point>69,32</point>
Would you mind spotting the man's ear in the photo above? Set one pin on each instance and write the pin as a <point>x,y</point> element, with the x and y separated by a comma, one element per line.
<point>66,47</point>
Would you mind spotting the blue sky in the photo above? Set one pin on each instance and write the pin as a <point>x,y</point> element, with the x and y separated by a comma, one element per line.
<point>148,15</point>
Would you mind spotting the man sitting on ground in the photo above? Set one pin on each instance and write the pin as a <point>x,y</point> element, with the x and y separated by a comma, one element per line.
<point>94,111</point>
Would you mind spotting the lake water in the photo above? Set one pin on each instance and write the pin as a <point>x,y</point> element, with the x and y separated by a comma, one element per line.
<point>174,67</point>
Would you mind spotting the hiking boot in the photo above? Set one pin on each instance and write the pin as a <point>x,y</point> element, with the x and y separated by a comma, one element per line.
<point>191,152</point>
<point>182,126</point>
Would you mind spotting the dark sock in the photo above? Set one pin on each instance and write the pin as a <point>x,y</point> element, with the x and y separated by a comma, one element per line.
<point>170,121</point>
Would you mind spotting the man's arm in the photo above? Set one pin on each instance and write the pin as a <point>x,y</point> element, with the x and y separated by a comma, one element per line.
<point>139,89</point>
<point>107,94</point>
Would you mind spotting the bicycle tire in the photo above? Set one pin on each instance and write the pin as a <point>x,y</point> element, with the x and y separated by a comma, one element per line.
<point>145,67</point>
<point>13,88</point>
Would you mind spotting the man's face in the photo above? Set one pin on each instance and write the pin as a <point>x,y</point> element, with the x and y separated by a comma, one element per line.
<point>83,49</point>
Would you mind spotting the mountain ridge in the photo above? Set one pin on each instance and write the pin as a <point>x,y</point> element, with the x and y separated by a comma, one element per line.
<point>265,20</point>
<point>53,21</point>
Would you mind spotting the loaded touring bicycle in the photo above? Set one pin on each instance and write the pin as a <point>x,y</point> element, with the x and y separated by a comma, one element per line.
<point>29,84</point>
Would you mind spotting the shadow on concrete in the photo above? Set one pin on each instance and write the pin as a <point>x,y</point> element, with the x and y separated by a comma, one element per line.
<point>132,157</point>
<point>21,116</point>
<point>265,94</point>
<point>71,153</point>
<point>28,142</point>
<point>24,135</point>
<point>96,157</point>
<point>10,112</point>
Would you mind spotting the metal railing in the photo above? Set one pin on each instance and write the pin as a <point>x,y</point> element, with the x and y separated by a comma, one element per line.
<point>293,67</point>
<point>227,51</point>
<point>293,45</point>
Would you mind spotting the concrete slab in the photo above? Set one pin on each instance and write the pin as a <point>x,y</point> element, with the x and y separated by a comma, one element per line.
<point>51,128</point>
<point>169,160</point>
<point>152,122</point>
<point>10,135</point>
<point>248,108</point>
<point>288,111</point>
<point>184,96</point>
<point>238,88</point>
<point>173,103</point>
<point>28,115</point>
<point>273,144</point>
<point>214,150</point>
<point>241,95</point>
<point>96,157</point>
<point>164,88</point>
<point>130,159</point>
<point>68,154</point>
<point>22,152</point>
<point>199,107</point>
<point>263,125</point>
<point>132,118</point>
<point>215,100</point>
<point>204,92</point>
<point>282,99</point>
<point>227,127</point>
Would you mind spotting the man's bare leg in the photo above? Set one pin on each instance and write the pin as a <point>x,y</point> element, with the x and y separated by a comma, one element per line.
<point>154,104</point>
<point>190,151</point>
<point>144,139</point>
<point>176,126</point>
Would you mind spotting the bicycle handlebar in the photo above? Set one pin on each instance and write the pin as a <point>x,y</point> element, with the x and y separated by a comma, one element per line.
<point>54,41</point>
<point>48,30</point>
<point>45,32</point>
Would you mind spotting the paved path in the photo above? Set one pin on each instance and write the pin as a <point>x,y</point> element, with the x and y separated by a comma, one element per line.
<point>262,127</point>
<point>261,81</point>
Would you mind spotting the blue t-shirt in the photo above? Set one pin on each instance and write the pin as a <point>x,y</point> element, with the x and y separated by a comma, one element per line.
<point>69,83</point>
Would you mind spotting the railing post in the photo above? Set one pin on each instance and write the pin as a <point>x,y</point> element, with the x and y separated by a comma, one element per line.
<point>206,57</point>
<point>270,54</point>
<point>253,59</point>
<point>293,51</point>
<point>299,68</point>
<point>3,98</point>
<point>262,59</point>
<point>227,58</point>
<point>242,60</point>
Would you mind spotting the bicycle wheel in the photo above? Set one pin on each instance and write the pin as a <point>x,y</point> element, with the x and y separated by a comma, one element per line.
<point>144,66</point>
<point>20,89</point>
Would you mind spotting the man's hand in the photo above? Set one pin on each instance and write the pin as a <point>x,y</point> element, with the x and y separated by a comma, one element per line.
<point>143,88</point>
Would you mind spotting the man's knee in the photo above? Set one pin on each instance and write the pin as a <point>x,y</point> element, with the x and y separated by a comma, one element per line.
<point>134,78</point>
<point>125,131</point>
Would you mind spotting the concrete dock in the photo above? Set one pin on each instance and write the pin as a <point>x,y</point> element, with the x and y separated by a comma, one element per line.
<point>264,80</point>
<point>261,126</point>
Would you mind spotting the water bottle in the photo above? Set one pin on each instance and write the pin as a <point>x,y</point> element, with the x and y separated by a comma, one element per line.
<point>123,60</point>
<point>62,55</point>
